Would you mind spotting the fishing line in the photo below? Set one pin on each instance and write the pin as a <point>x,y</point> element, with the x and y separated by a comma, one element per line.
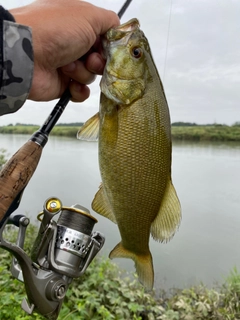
<point>168,33</point>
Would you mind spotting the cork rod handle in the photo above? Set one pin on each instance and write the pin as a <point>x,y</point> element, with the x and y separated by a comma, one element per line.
<point>16,174</point>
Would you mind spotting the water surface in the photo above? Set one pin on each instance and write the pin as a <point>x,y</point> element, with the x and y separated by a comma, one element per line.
<point>207,180</point>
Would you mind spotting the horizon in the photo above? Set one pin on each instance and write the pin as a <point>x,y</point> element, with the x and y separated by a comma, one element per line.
<point>179,123</point>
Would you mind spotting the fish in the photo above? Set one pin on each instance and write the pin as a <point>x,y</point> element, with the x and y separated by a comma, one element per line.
<point>133,130</point>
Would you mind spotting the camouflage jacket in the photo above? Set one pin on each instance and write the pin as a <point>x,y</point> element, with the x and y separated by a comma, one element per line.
<point>16,63</point>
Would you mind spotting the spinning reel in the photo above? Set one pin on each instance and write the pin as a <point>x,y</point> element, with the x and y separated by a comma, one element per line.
<point>62,250</point>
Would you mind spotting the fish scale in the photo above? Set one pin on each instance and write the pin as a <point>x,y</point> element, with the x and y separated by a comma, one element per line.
<point>134,149</point>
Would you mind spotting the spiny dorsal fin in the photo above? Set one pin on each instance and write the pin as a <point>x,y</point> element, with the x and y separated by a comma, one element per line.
<point>169,216</point>
<point>90,130</point>
<point>101,205</point>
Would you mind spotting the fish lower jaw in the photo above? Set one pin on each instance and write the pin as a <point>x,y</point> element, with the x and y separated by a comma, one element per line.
<point>105,90</point>
<point>111,97</point>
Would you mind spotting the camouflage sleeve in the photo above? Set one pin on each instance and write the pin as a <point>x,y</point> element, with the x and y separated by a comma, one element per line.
<point>16,64</point>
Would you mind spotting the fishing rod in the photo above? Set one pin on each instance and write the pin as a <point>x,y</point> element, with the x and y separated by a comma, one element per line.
<point>64,247</point>
<point>19,169</point>
<point>124,8</point>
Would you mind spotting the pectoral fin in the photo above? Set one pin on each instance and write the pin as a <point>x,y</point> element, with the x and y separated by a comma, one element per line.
<point>90,130</point>
<point>101,205</point>
<point>169,216</point>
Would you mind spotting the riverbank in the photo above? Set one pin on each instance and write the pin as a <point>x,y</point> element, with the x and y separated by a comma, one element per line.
<point>107,292</point>
<point>181,132</point>
<point>66,131</point>
<point>206,133</point>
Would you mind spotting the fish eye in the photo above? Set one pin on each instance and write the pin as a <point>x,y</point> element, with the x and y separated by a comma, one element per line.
<point>136,52</point>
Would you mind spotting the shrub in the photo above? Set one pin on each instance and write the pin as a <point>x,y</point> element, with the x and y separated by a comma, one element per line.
<point>105,292</point>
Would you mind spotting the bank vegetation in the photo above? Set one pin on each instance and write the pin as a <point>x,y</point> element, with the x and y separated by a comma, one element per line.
<point>181,131</point>
<point>107,292</point>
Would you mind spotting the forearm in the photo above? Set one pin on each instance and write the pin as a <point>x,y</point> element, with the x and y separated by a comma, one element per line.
<point>16,63</point>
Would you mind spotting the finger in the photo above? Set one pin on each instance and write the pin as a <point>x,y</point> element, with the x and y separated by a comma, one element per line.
<point>95,63</point>
<point>77,71</point>
<point>79,92</point>
<point>104,20</point>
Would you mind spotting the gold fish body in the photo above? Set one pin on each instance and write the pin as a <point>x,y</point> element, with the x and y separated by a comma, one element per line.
<point>134,149</point>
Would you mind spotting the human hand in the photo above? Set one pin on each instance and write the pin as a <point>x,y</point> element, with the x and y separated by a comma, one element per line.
<point>63,31</point>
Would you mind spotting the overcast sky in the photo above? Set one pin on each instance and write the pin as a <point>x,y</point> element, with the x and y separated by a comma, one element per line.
<point>199,62</point>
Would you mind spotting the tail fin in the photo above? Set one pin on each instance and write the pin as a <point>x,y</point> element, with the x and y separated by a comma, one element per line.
<point>143,264</point>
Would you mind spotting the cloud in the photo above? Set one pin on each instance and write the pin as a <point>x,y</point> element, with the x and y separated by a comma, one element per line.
<point>202,66</point>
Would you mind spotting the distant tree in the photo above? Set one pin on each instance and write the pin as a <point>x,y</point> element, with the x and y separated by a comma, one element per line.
<point>72,124</point>
<point>184,124</point>
<point>236,124</point>
<point>26,124</point>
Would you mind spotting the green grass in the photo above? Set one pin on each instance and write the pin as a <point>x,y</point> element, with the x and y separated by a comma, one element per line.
<point>67,131</point>
<point>206,133</point>
<point>179,132</point>
<point>106,292</point>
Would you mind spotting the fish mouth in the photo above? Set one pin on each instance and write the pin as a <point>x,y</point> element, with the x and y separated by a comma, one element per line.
<point>122,32</point>
<point>119,32</point>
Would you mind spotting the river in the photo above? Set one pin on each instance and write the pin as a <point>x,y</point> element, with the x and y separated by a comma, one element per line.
<point>207,180</point>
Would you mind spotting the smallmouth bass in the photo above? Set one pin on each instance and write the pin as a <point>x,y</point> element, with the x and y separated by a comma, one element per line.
<point>134,132</point>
